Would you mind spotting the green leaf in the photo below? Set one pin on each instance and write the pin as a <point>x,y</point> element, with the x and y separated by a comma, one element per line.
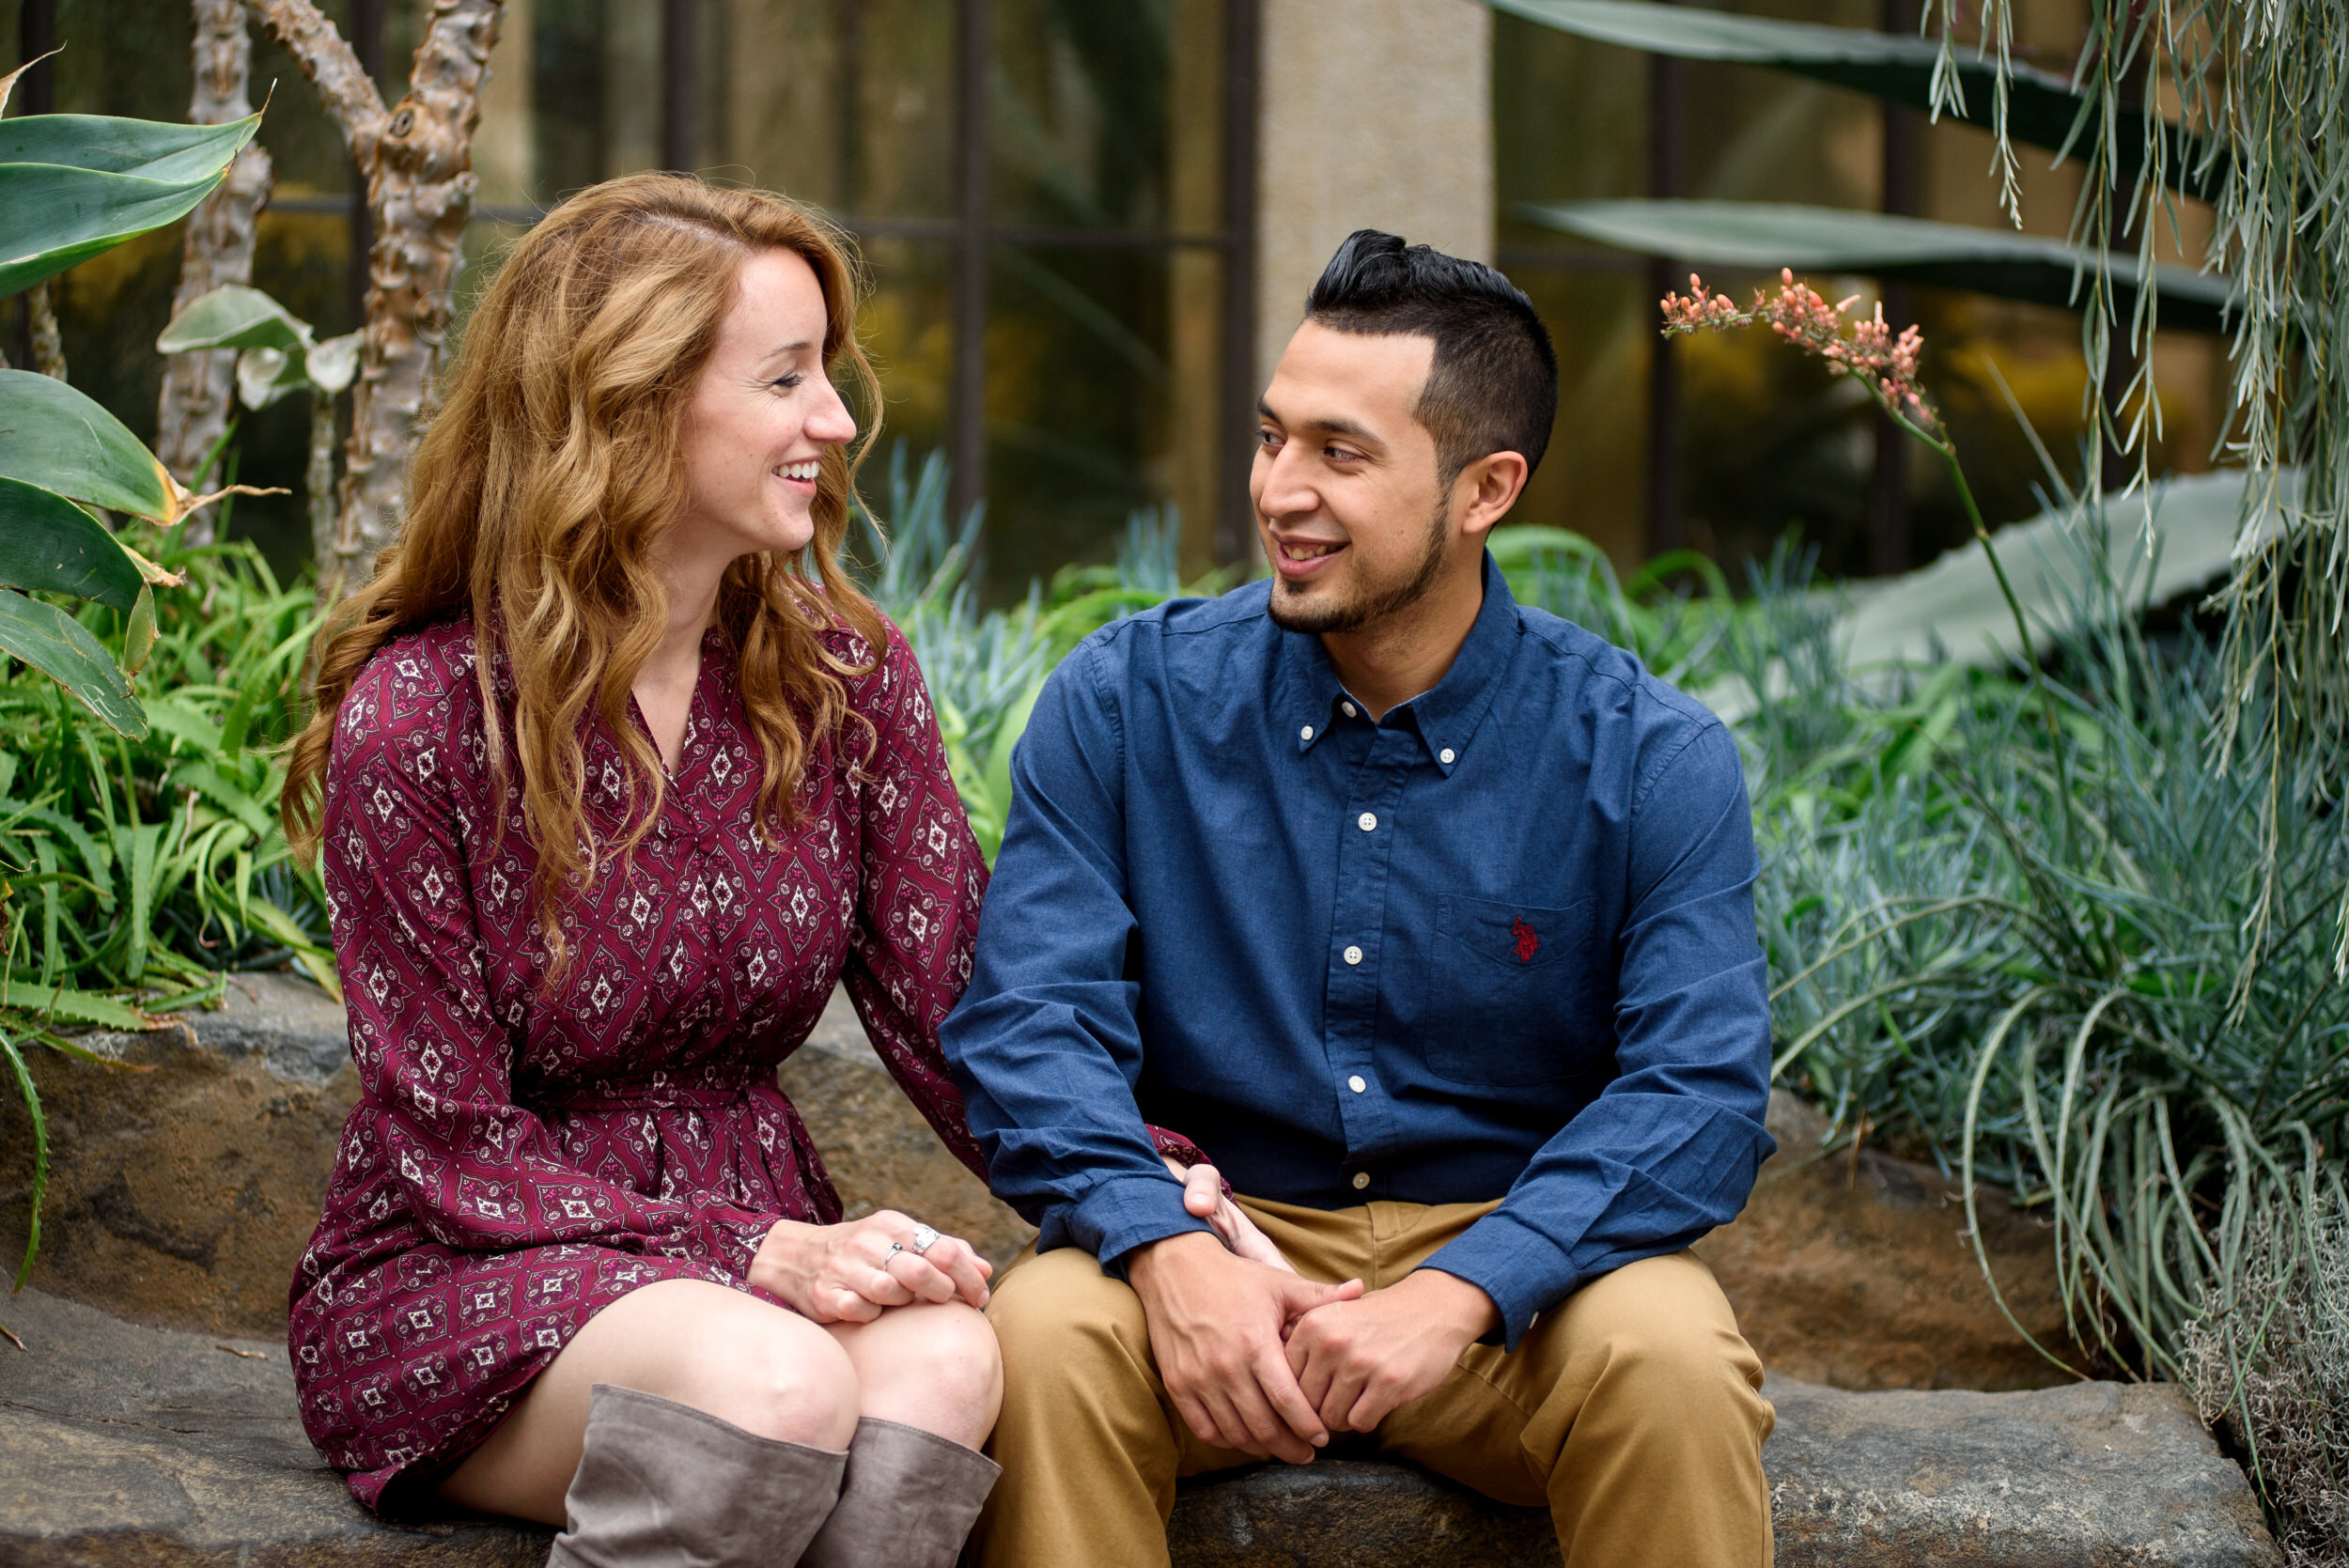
<point>1514,548</point>
<point>1954,604</point>
<point>73,185</point>
<point>278,353</point>
<point>1766,236</point>
<point>57,644</point>
<point>240,717</point>
<point>63,1002</point>
<point>59,439</point>
<point>2042,108</point>
<point>138,632</point>
<point>1008,730</point>
<point>265,375</point>
<point>169,716</point>
<point>335,363</point>
<point>49,545</point>
<point>97,858</point>
<point>31,1097</point>
<point>135,852</point>
<point>2161,545</point>
<point>233,316</point>
<point>205,780</point>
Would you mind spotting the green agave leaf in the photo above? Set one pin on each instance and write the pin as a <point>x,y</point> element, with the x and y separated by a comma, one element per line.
<point>1766,236</point>
<point>77,1007</point>
<point>49,545</point>
<point>2042,108</point>
<point>1954,604</point>
<point>73,185</point>
<point>233,317</point>
<point>57,438</point>
<point>57,644</point>
<point>2178,538</point>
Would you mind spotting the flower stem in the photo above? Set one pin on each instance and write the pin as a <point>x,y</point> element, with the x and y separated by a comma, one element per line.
<point>1947,452</point>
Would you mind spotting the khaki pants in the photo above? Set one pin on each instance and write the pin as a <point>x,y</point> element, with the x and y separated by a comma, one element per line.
<point>1632,1410</point>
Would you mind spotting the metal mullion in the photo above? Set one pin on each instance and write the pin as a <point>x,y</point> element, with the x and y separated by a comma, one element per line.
<point>1236,522</point>
<point>1663,274</point>
<point>967,399</point>
<point>1888,482</point>
<point>681,77</point>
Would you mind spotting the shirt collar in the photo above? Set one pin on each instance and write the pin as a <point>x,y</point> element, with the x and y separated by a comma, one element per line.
<point>1445,717</point>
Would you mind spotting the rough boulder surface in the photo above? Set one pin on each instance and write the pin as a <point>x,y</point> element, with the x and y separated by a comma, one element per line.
<point>131,1445</point>
<point>185,1180</point>
<point>1854,1269</point>
<point>126,1445</point>
<point>182,1194</point>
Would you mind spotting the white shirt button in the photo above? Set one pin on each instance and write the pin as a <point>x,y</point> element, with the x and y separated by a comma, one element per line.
<point>1305,733</point>
<point>1361,1180</point>
<point>1353,954</point>
<point>1368,820</point>
<point>1347,708</point>
<point>1356,1083</point>
<point>1447,755</point>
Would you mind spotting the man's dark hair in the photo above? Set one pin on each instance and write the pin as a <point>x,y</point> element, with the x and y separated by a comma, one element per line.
<point>1493,384</point>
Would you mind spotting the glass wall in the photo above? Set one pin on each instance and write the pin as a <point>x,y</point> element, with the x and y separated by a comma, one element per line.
<point>1052,311</point>
<point>1764,441</point>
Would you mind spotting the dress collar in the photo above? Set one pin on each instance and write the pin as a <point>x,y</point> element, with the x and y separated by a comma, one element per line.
<point>1313,699</point>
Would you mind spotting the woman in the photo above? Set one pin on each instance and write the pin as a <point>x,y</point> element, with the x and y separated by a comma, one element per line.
<point>614,775</point>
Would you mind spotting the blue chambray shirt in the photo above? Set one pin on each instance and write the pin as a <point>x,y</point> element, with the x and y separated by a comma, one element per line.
<point>1498,945</point>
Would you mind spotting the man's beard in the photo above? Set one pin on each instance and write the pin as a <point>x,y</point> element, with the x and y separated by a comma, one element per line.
<point>1373,601</point>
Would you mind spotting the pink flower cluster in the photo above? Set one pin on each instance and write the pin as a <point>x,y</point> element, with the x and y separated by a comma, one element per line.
<point>1887,365</point>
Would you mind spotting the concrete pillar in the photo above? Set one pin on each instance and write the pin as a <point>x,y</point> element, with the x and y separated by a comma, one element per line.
<point>1376,114</point>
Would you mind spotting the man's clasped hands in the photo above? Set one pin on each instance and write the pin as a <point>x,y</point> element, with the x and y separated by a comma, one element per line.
<point>1258,1359</point>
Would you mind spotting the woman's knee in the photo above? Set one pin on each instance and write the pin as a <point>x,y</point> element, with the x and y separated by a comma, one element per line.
<point>746,1361</point>
<point>790,1381</point>
<point>935,1366</point>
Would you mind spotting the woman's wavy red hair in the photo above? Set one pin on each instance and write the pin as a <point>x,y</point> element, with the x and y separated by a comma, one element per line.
<point>538,490</point>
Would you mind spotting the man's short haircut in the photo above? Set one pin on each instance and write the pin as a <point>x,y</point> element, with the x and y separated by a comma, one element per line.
<point>1493,384</point>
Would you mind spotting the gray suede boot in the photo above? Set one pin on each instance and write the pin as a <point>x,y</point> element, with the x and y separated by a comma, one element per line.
<point>661,1484</point>
<point>909,1498</point>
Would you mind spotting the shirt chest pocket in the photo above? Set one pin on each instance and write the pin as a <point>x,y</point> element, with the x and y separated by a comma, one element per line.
<point>1516,994</point>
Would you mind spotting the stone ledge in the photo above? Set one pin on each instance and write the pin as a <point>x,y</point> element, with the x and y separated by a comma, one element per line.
<point>126,1445</point>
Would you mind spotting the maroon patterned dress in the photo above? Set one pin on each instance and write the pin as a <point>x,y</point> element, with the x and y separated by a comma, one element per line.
<point>516,1161</point>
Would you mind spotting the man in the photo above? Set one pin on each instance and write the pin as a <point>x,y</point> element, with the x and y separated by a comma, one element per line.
<point>1429,918</point>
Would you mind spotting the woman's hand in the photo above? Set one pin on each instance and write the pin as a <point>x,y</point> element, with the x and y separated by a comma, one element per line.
<point>1203,1195</point>
<point>854,1271</point>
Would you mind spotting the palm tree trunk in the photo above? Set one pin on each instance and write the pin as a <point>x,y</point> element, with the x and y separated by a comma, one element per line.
<point>200,390</point>
<point>417,161</point>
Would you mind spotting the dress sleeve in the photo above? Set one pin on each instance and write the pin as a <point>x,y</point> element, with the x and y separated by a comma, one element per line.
<point>435,1064</point>
<point>919,879</point>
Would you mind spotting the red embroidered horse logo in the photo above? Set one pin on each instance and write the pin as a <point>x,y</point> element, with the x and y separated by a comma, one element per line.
<point>1528,942</point>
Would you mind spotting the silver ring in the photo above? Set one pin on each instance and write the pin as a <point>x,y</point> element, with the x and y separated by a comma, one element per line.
<point>924,1239</point>
<point>895,1248</point>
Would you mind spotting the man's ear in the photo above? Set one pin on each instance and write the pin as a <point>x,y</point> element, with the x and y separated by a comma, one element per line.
<point>1490,485</point>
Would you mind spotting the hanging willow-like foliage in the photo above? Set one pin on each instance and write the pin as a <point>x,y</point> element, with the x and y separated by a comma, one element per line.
<point>2260,91</point>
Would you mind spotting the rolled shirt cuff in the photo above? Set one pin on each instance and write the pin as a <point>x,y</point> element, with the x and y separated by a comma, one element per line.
<point>1119,1215</point>
<point>1522,1270</point>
